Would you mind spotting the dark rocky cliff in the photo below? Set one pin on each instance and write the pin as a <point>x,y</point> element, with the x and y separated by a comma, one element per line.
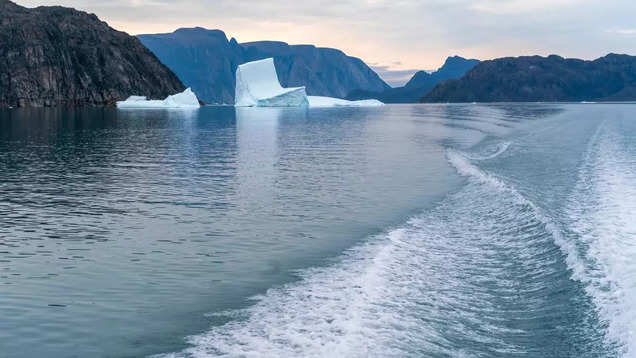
<point>52,56</point>
<point>535,78</point>
<point>422,82</point>
<point>206,61</point>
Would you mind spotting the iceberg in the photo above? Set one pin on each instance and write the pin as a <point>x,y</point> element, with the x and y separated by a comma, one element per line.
<point>257,85</point>
<point>185,99</point>
<point>322,102</point>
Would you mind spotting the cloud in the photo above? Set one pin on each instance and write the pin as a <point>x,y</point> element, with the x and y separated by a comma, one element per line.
<point>520,6</point>
<point>628,32</point>
<point>395,78</point>
<point>420,33</point>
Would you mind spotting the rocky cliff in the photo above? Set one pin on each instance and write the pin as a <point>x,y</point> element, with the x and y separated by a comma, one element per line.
<point>52,56</point>
<point>206,61</point>
<point>535,78</point>
<point>420,84</point>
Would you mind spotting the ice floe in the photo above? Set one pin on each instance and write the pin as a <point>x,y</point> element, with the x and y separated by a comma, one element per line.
<point>319,101</point>
<point>185,99</point>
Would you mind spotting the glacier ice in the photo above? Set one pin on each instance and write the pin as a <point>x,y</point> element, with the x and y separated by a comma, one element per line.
<point>319,102</point>
<point>257,85</point>
<point>185,99</point>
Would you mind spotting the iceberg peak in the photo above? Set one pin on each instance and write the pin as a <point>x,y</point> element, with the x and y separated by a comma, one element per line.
<point>257,85</point>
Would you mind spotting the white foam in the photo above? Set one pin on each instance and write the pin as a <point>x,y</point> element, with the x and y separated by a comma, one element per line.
<point>499,149</point>
<point>603,212</point>
<point>465,168</point>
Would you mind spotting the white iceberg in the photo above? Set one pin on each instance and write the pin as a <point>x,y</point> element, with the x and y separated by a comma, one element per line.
<point>185,99</point>
<point>257,85</point>
<point>321,102</point>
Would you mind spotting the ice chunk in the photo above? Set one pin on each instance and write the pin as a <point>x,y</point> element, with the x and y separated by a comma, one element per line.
<point>185,99</point>
<point>319,102</point>
<point>137,98</point>
<point>257,86</point>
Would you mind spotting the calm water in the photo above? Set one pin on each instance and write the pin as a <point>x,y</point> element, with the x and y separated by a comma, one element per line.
<point>406,231</point>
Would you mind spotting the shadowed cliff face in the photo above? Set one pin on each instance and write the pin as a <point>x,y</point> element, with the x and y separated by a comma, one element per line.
<point>535,78</point>
<point>52,56</point>
<point>206,61</point>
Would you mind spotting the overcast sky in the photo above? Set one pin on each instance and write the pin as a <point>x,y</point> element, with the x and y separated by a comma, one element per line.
<point>396,37</point>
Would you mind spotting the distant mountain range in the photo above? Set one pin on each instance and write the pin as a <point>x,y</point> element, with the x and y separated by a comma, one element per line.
<point>52,56</point>
<point>206,61</point>
<point>421,83</point>
<point>552,78</point>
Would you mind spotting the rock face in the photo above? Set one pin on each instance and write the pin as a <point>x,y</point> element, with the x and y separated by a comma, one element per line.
<point>420,83</point>
<point>51,56</point>
<point>552,78</point>
<point>206,61</point>
<point>203,59</point>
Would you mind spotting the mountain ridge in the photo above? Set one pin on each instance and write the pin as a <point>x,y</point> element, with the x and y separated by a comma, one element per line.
<point>536,78</point>
<point>59,56</point>
<point>208,63</point>
<point>420,83</point>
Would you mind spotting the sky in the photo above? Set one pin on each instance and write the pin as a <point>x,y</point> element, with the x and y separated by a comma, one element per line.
<point>395,37</point>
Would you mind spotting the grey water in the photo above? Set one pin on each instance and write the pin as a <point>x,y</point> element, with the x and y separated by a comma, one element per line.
<point>489,230</point>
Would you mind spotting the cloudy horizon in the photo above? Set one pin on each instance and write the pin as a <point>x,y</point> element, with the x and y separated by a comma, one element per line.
<point>396,38</point>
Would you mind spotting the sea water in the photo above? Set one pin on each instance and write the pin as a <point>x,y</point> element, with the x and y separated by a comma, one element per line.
<point>407,230</point>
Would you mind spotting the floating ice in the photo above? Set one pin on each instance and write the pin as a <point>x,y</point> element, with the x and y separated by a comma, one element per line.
<point>318,101</point>
<point>185,99</point>
<point>257,85</point>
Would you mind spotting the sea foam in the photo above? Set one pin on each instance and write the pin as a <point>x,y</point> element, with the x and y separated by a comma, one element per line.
<point>602,210</point>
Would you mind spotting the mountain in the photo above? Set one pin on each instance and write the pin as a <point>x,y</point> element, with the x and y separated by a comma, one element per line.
<point>203,59</point>
<point>206,61</point>
<point>420,83</point>
<point>53,56</point>
<point>535,78</point>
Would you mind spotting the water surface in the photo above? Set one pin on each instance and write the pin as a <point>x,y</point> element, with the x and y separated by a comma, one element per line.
<point>423,230</point>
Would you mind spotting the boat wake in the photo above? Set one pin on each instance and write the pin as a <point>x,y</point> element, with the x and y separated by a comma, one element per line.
<point>479,275</point>
<point>602,215</point>
<point>493,152</point>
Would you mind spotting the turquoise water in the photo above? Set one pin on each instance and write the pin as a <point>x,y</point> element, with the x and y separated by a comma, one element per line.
<point>424,230</point>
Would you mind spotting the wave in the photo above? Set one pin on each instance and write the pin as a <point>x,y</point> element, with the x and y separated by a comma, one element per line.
<point>493,152</point>
<point>476,276</point>
<point>602,215</point>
